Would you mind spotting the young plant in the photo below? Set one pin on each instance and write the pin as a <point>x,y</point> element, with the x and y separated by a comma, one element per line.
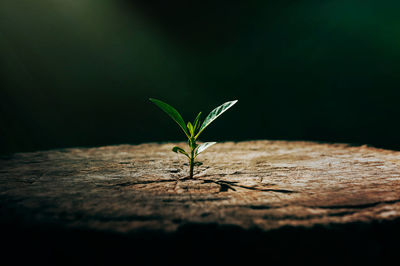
<point>193,131</point>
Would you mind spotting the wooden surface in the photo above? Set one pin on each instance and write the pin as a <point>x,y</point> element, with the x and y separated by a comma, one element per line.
<point>255,185</point>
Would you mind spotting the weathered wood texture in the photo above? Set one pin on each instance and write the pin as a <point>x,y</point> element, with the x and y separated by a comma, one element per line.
<point>255,184</point>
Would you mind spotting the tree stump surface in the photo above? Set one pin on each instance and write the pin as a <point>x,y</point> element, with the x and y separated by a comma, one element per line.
<point>253,184</point>
<point>254,199</point>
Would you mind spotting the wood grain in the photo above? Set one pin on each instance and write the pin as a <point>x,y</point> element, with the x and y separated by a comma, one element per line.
<point>254,184</point>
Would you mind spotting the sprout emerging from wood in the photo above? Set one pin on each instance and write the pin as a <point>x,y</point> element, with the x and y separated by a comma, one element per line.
<point>193,131</point>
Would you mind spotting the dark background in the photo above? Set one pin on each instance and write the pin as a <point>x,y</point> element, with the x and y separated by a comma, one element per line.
<point>79,73</point>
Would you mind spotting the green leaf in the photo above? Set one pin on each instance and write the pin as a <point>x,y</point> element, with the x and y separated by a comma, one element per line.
<point>172,112</point>
<point>196,122</point>
<point>180,150</point>
<point>190,128</point>
<point>202,147</point>
<point>214,114</point>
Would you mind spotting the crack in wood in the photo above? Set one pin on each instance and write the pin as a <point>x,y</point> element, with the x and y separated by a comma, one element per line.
<point>225,185</point>
<point>358,206</point>
<point>230,184</point>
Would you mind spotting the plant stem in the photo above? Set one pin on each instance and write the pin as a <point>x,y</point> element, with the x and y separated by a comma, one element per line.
<point>191,168</point>
<point>192,144</point>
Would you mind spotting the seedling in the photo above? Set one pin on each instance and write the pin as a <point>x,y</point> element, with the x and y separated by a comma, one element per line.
<point>193,131</point>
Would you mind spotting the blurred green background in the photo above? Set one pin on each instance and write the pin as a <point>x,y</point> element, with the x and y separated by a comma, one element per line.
<point>79,73</point>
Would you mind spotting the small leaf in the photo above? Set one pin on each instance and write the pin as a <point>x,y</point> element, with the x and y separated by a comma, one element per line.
<point>196,122</point>
<point>202,147</point>
<point>198,163</point>
<point>190,128</point>
<point>172,112</point>
<point>214,114</point>
<point>180,150</point>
